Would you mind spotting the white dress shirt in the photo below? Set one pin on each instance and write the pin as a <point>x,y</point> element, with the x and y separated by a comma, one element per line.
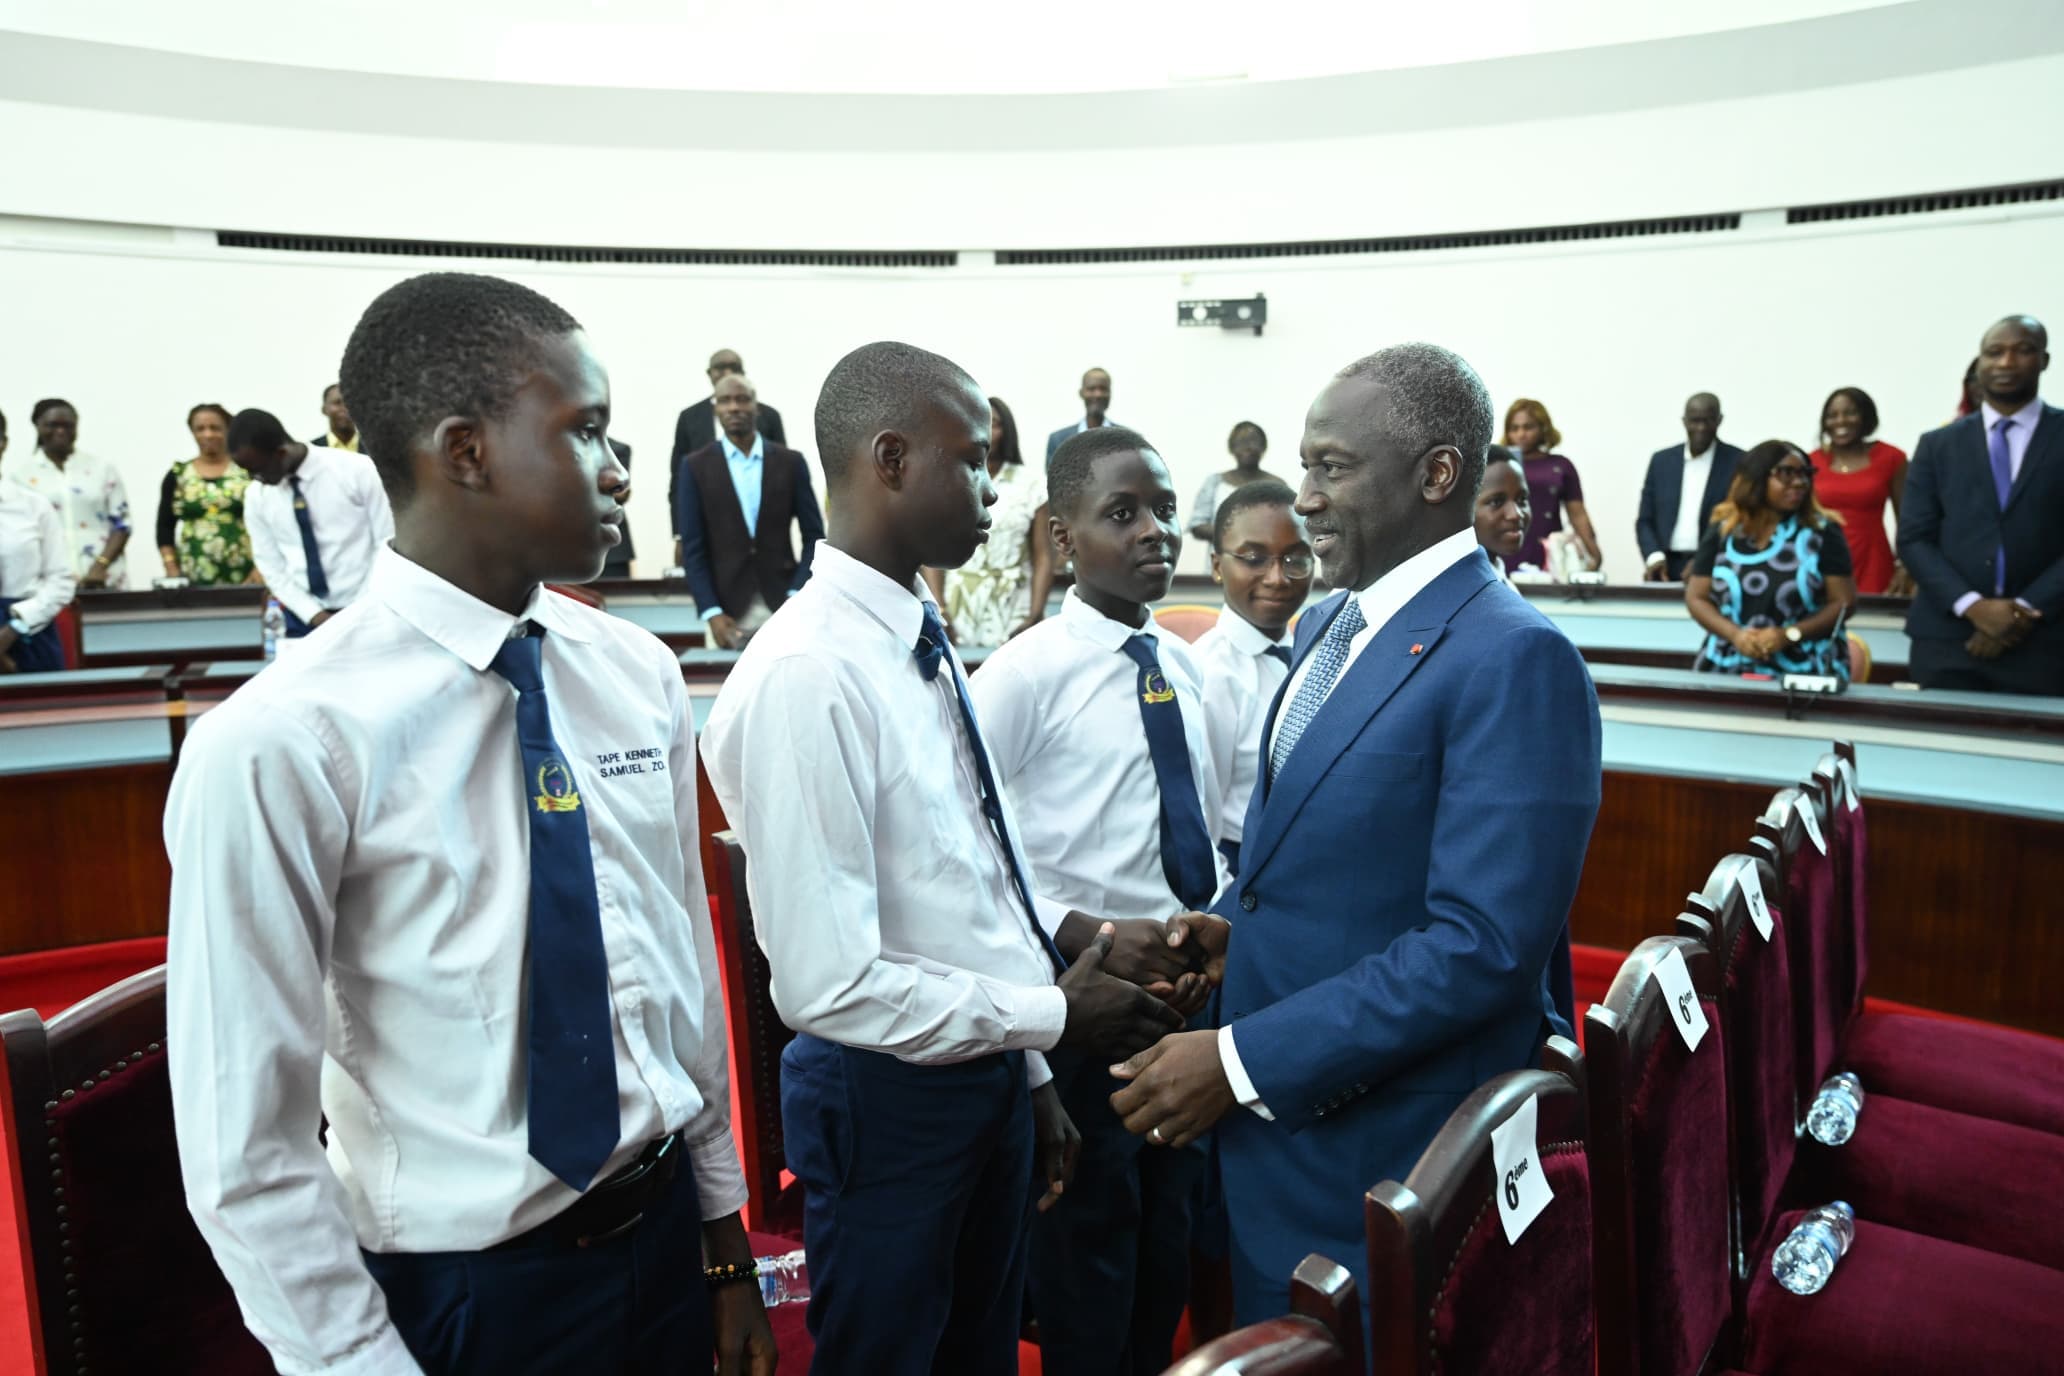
<point>1380,601</point>
<point>90,501</point>
<point>1240,681</point>
<point>1060,709</point>
<point>883,899</point>
<point>2025,420</point>
<point>348,508</point>
<point>35,561</point>
<point>350,899</point>
<point>1692,512</point>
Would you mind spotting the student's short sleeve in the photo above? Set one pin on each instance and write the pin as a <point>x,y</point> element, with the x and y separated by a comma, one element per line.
<point>1835,559</point>
<point>1572,486</point>
<point>1708,552</point>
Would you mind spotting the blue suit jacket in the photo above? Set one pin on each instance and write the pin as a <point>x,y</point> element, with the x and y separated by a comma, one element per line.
<point>1656,518</point>
<point>1403,885</point>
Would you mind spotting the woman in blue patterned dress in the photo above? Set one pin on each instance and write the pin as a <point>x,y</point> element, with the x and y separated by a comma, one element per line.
<point>1773,577</point>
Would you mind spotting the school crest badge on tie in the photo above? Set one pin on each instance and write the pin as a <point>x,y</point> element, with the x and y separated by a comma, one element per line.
<point>556,792</point>
<point>1157,689</point>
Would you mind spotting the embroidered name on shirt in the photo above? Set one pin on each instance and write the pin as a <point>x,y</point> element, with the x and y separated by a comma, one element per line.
<point>650,760</point>
<point>556,792</point>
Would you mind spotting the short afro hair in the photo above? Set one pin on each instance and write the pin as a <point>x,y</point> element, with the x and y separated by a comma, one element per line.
<point>1866,411</point>
<point>46,406</point>
<point>256,429</point>
<point>1233,436</point>
<point>443,344</point>
<point>1245,497</point>
<point>877,387</point>
<point>1498,453</point>
<point>1436,398</point>
<point>1067,472</point>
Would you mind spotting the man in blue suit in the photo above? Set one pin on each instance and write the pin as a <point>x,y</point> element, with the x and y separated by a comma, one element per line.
<point>1429,779</point>
<point>1684,483</point>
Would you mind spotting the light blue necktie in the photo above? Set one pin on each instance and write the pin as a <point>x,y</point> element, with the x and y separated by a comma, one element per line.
<point>2003,485</point>
<point>1326,663</point>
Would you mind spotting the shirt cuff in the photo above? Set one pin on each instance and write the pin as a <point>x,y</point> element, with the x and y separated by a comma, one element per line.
<point>719,1179</point>
<point>1236,1074</point>
<point>1050,913</point>
<point>1963,604</point>
<point>2024,602</point>
<point>384,1355</point>
<point>1655,559</point>
<point>1037,1071</point>
<point>1042,1013</point>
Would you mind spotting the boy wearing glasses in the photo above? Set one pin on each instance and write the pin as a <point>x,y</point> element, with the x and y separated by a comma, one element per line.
<point>1259,553</point>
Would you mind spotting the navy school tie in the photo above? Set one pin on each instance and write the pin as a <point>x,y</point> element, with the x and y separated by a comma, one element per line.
<point>1279,653</point>
<point>930,651</point>
<point>1185,840</point>
<point>318,582</point>
<point>571,1097</point>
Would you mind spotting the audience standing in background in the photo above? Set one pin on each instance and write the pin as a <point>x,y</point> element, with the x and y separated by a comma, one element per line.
<point>1855,477</point>
<point>1096,403</point>
<point>696,428</point>
<point>1247,444</point>
<point>1553,489</point>
<point>1003,588</point>
<point>200,527</point>
<point>343,431</point>
<point>92,505</point>
<point>318,518</point>
<point>734,506</point>
<point>36,578</point>
<point>1772,580</point>
<point>1503,510</point>
<point>1685,482</point>
<point>1260,555</point>
<point>1983,530</point>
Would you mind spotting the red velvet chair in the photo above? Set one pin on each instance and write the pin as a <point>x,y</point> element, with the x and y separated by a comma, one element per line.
<point>1447,1293</point>
<point>119,1280</point>
<point>1320,1336</point>
<point>758,1038</point>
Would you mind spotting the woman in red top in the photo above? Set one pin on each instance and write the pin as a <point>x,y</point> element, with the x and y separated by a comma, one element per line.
<point>1854,477</point>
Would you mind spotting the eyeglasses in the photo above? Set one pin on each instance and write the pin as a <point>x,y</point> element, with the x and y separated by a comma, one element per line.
<point>1793,474</point>
<point>1297,563</point>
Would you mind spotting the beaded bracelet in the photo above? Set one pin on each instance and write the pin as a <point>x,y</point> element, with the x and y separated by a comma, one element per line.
<point>730,1272</point>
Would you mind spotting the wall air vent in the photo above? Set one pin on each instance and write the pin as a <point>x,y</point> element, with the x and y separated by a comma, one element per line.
<point>1406,243</point>
<point>586,253</point>
<point>2023,194</point>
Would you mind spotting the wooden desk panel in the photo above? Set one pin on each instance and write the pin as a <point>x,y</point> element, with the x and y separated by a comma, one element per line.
<point>82,857</point>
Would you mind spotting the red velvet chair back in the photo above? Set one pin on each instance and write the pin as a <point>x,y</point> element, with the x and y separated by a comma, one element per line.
<point>119,1279</point>
<point>758,1036</point>
<point>1320,1336</point>
<point>1447,1293</point>
<point>1755,984</point>
<point>1659,1170</point>
<point>1849,841</point>
<point>1816,930</point>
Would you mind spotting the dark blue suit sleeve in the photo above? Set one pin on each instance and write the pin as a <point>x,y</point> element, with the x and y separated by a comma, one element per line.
<point>809,520</point>
<point>770,426</point>
<point>1518,797</point>
<point>1647,525</point>
<point>1920,528</point>
<point>694,544</point>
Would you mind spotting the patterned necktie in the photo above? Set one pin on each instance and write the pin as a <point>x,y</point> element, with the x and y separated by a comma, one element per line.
<point>1279,653</point>
<point>317,582</point>
<point>1326,663</point>
<point>571,1075</point>
<point>1185,840</point>
<point>2003,485</point>
<point>930,652</point>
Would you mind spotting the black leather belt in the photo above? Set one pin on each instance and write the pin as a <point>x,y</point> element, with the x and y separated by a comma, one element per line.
<point>610,1209</point>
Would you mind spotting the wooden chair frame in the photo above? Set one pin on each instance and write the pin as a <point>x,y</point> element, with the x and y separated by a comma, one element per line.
<point>1320,1336</point>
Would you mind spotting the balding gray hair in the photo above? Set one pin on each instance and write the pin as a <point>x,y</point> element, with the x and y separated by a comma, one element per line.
<point>1436,398</point>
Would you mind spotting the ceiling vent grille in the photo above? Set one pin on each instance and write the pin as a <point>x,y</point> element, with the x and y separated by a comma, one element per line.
<point>584,253</point>
<point>2023,194</point>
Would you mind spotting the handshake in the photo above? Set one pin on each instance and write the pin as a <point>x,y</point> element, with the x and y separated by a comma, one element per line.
<point>1134,981</point>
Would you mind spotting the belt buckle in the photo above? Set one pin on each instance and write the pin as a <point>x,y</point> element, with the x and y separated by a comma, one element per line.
<point>634,1174</point>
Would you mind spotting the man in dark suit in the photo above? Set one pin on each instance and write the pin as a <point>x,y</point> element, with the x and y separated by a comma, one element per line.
<point>343,431</point>
<point>1398,908</point>
<point>1982,530</point>
<point>1684,483</point>
<point>1096,401</point>
<point>733,507</point>
<point>696,427</point>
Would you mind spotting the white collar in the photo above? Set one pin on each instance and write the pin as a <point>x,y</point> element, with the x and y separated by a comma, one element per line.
<point>1100,630</point>
<point>735,455</point>
<point>1385,597</point>
<point>456,619</point>
<point>1992,415</point>
<point>1708,453</point>
<point>1246,637</point>
<point>900,610</point>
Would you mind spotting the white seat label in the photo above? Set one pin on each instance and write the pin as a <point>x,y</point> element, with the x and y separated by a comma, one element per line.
<point>1673,977</point>
<point>1750,879</point>
<point>1810,815</point>
<point>1522,1185</point>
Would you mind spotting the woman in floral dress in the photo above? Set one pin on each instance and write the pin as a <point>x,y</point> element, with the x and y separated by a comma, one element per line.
<point>201,535</point>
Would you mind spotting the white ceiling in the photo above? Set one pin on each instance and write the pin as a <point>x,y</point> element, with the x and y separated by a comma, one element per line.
<point>890,46</point>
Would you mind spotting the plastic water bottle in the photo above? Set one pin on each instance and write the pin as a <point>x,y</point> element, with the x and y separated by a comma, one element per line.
<point>1806,1259</point>
<point>1832,1119</point>
<point>784,1279</point>
<point>275,628</point>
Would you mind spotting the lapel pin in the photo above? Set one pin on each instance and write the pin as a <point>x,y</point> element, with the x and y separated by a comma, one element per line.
<point>1416,648</point>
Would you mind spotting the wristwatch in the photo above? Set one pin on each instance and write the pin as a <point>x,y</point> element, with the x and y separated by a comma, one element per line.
<point>1791,633</point>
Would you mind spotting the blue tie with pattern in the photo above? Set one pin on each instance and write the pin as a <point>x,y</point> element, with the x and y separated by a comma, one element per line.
<point>2003,485</point>
<point>571,1094</point>
<point>1185,840</point>
<point>318,582</point>
<point>1326,663</point>
<point>930,652</point>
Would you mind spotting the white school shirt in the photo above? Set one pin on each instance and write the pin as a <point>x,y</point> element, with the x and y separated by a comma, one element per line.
<point>1240,681</point>
<point>1060,708</point>
<point>90,501</point>
<point>350,902</point>
<point>883,899</point>
<point>1692,513</point>
<point>1380,601</point>
<point>348,508</point>
<point>35,561</point>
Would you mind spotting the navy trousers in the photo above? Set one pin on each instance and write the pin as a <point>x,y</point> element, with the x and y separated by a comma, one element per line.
<point>296,627</point>
<point>917,1191</point>
<point>41,653</point>
<point>1111,1262</point>
<point>636,1305</point>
